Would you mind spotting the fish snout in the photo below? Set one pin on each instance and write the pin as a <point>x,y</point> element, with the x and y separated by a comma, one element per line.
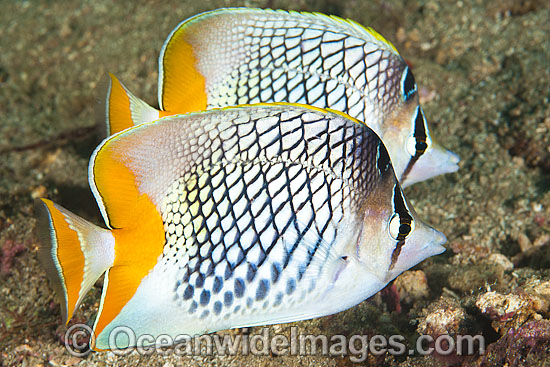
<point>434,162</point>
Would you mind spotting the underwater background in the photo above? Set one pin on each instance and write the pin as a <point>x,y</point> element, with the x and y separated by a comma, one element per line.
<point>483,71</point>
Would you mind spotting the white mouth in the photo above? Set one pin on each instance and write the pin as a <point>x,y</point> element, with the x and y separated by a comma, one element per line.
<point>435,247</point>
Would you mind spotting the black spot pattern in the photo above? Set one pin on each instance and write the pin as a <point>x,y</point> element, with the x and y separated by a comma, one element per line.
<point>278,299</point>
<point>192,307</point>
<point>200,281</point>
<point>290,286</point>
<point>188,293</point>
<point>217,307</point>
<point>228,299</point>
<point>239,288</point>
<point>275,272</point>
<point>251,272</point>
<point>334,67</point>
<point>293,174</point>
<point>217,286</point>
<point>205,297</point>
<point>262,290</point>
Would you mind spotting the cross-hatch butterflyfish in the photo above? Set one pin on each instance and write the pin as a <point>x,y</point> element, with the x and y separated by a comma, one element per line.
<point>244,56</point>
<point>234,217</point>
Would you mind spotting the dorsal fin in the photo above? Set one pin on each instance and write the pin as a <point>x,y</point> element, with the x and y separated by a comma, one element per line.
<point>124,110</point>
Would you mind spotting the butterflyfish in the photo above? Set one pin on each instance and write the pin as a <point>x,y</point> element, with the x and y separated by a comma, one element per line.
<point>239,56</point>
<point>234,217</point>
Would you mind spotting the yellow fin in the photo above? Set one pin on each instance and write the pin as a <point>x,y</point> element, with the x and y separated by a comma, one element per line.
<point>139,230</point>
<point>119,116</point>
<point>137,252</point>
<point>74,253</point>
<point>124,109</point>
<point>181,86</point>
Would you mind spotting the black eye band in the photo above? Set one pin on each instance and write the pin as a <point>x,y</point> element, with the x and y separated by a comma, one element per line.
<point>409,85</point>
<point>420,132</point>
<point>405,224</point>
<point>405,219</point>
<point>420,138</point>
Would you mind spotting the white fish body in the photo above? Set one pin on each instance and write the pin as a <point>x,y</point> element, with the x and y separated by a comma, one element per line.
<point>237,56</point>
<point>243,216</point>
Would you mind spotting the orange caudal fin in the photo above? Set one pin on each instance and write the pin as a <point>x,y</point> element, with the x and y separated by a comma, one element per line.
<point>182,88</point>
<point>124,109</point>
<point>74,253</point>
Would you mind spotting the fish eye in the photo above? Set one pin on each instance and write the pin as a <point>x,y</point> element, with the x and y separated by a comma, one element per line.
<point>416,146</point>
<point>394,226</point>
<point>408,84</point>
<point>399,229</point>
